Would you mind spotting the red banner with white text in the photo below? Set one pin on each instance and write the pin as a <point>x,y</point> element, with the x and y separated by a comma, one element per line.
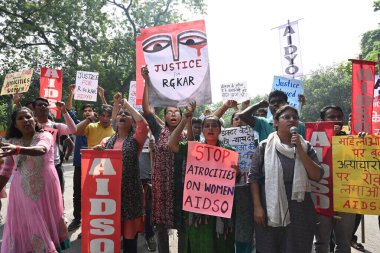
<point>319,134</point>
<point>376,108</point>
<point>363,81</point>
<point>51,88</point>
<point>101,200</point>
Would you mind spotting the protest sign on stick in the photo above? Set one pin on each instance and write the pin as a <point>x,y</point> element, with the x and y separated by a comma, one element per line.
<point>86,86</point>
<point>177,60</point>
<point>292,87</point>
<point>245,142</point>
<point>319,134</point>
<point>209,181</point>
<point>51,88</point>
<point>101,200</point>
<point>356,174</point>
<point>17,82</point>
<point>235,91</point>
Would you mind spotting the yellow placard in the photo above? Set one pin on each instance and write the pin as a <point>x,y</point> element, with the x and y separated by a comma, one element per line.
<point>356,176</point>
<point>17,82</point>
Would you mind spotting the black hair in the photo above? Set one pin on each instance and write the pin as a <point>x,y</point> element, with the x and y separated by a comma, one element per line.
<point>40,99</point>
<point>212,117</point>
<point>196,121</point>
<point>12,131</point>
<point>282,109</point>
<point>265,110</point>
<point>322,113</point>
<point>87,105</point>
<point>106,108</point>
<point>232,117</point>
<point>278,93</point>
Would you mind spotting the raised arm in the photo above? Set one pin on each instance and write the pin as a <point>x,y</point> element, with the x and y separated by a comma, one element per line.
<point>101,95</point>
<point>176,134</point>
<point>17,100</point>
<point>70,126</point>
<point>226,105</point>
<point>69,103</point>
<point>145,102</point>
<point>116,105</point>
<point>247,114</point>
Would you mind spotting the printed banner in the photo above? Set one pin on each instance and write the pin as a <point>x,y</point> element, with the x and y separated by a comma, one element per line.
<point>363,81</point>
<point>101,200</point>
<point>292,87</point>
<point>320,134</point>
<point>356,164</point>
<point>178,64</point>
<point>17,82</point>
<point>132,96</point>
<point>245,141</point>
<point>86,86</point>
<point>290,49</point>
<point>376,108</point>
<point>140,61</point>
<point>235,91</point>
<point>51,88</point>
<point>209,181</point>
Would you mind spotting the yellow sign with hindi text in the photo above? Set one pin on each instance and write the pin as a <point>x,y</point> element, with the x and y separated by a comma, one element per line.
<point>17,82</point>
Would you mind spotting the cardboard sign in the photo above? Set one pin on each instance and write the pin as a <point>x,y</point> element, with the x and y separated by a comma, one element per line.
<point>235,91</point>
<point>290,49</point>
<point>51,88</point>
<point>17,82</point>
<point>357,174</point>
<point>209,181</point>
<point>86,86</point>
<point>320,134</point>
<point>101,200</point>
<point>132,96</point>
<point>177,59</point>
<point>292,87</point>
<point>245,142</point>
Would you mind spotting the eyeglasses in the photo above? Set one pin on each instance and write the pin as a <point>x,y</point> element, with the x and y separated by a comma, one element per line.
<point>289,117</point>
<point>276,101</point>
<point>175,113</point>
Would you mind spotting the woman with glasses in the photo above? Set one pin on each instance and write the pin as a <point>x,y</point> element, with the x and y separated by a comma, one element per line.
<point>167,185</point>
<point>130,141</point>
<point>279,180</point>
<point>204,233</point>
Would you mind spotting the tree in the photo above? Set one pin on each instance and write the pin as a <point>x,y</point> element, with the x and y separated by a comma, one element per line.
<point>327,86</point>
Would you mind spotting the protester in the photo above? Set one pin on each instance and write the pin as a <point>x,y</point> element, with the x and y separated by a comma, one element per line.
<point>204,233</point>
<point>261,112</point>
<point>244,241</point>
<point>167,185</point>
<point>279,180</point>
<point>342,224</point>
<point>80,143</point>
<point>130,142</point>
<point>264,126</point>
<point>41,111</point>
<point>35,219</point>
<point>196,124</point>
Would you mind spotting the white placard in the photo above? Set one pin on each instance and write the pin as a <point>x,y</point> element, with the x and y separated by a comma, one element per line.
<point>86,86</point>
<point>235,91</point>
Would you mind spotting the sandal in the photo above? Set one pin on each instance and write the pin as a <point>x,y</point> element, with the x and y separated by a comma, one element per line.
<point>357,246</point>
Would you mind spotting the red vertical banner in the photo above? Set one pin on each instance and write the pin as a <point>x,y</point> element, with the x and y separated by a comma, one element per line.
<point>376,108</point>
<point>51,88</point>
<point>101,200</point>
<point>319,134</point>
<point>363,81</point>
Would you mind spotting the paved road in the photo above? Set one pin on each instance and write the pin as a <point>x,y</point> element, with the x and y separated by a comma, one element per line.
<point>372,242</point>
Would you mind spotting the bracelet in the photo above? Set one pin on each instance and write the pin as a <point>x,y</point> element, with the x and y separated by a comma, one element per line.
<point>18,150</point>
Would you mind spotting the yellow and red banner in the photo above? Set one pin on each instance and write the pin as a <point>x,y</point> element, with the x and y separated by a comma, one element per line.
<point>356,174</point>
<point>178,64</point>
<point>320,134</point>
<point>101,200</point>
<point>209,180</point>
<point>51,88</point>
<point>17,82</point>
<point>363,81</point>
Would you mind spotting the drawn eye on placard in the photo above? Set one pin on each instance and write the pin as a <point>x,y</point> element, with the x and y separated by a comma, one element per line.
<point>191,38</point>
<point>156,43</point>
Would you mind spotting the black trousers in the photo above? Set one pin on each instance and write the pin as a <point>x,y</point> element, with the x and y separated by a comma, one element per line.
<point>58,167</point>
<point>77,192</point>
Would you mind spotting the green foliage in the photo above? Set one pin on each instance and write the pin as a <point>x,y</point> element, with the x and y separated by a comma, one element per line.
<point>327,86</point>
<point>370,45</point>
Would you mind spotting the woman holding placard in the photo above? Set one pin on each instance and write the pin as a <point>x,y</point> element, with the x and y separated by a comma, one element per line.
<point>279,179</point>
<point>204,233</point>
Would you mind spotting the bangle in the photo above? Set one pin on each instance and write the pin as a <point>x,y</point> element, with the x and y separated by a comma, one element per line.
<point>18,150</point>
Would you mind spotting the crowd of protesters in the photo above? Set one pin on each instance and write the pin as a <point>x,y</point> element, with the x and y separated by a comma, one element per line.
<point>273,211</point>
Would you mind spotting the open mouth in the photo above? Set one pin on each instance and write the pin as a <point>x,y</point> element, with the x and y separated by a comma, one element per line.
<point>122,120</point>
